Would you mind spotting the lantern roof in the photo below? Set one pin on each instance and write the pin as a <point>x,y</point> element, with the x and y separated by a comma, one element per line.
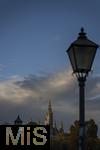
<point>82,40</point>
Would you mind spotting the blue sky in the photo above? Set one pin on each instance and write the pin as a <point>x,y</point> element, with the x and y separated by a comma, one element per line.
<point>34,67</point>
<point>35,34</point>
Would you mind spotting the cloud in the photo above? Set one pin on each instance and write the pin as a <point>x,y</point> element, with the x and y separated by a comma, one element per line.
<point>11,92</point>
<point>30,94</point>
<point>57,86</point>
<point>29,97</point>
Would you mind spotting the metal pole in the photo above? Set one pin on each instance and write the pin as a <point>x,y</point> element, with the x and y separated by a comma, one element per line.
<point>82,113</point>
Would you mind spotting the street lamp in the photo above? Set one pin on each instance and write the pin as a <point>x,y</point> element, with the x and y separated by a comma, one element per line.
<point>81,54</point>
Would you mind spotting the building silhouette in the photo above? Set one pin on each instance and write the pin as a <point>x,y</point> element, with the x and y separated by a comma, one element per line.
<point>18,121</point>
<point>49,120</point>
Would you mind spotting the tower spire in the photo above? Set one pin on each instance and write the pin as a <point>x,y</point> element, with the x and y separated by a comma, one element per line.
<point>61,128</point>
<point>49,106</point>
<point>61,124</point>
<point>49,115</point>
<point>55,124</point>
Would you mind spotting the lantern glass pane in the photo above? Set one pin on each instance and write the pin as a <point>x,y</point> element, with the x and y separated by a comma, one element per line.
<point>84,57</point>
<point>72,58</point>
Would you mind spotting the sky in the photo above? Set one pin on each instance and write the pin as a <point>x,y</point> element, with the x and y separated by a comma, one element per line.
<point>34,66</point>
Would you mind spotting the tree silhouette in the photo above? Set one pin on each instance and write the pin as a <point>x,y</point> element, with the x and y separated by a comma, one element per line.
<point>70,141</point>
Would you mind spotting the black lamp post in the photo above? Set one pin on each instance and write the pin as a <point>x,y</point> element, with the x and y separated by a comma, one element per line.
<point>81,54</point>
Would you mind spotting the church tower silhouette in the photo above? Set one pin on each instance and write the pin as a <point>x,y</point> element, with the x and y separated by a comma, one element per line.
<point>49,116</point>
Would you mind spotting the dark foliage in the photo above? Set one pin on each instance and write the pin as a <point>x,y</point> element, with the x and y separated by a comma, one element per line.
<point>69,141</point>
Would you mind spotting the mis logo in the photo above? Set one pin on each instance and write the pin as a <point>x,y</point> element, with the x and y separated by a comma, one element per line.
<point>15,137</point>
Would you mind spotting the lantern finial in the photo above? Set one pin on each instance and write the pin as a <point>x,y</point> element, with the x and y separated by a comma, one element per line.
<point>82,33</point>
<point>82,30</point>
